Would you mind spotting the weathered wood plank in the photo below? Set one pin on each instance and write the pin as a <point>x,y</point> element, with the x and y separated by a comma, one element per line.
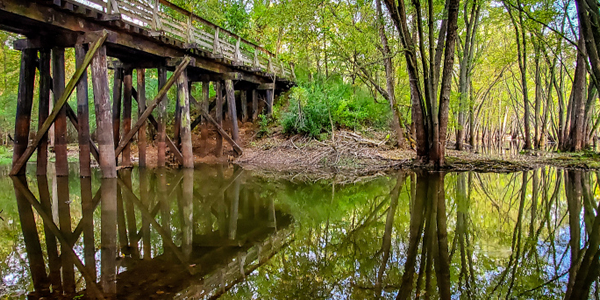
<point>116,109</point>
<point>127,86</point>
<point>141,100</point>
<point>219,118</point>
<point>244,103</point>
<point>269,102</point>
<point>232,110</point>
<point>184,111</point>
<point>61,164</point>
<point>83,116</point>
<point>162,120</point>
<point>103,115</point>
<point>254,105</point>
<point>44,109</point>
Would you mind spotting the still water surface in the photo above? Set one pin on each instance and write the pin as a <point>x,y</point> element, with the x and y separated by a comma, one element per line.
<point>223,232</point>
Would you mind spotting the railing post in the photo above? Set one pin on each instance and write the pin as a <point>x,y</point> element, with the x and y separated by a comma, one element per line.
<point>270,66</point>
<point>256,62</point>
<point>190,32</point>
<point>112,7</point>
<point>216,42</point>
<point>156,24</point>
<point>282,69</point>
<point>292,70</point>
<point>237,50</point>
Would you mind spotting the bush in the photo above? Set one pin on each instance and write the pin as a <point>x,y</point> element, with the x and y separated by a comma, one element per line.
<point>314,106</point>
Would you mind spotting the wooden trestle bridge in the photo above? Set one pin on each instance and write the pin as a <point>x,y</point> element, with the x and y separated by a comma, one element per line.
<point>130,36</point>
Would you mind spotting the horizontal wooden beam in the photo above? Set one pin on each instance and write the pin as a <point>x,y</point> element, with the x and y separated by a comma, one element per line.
<point>266,86</point>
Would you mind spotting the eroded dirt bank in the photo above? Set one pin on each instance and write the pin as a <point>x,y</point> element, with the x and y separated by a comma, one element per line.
<point>350,154</point>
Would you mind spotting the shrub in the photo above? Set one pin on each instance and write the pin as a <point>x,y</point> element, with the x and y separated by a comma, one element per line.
<point>314,106</point>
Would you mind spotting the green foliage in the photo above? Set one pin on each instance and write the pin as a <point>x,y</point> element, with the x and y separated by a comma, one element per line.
<point>315,106</point>
<point>263,124</point>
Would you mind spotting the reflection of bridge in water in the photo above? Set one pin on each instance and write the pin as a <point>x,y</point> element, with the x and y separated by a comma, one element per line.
<point>160,236</point>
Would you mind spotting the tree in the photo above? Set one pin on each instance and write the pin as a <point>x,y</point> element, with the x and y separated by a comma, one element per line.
<point>429,112</point>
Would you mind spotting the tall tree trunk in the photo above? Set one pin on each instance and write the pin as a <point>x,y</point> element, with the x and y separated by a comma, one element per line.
<point>466,67</point>
<point>521,40</point>
<point>389,75</point>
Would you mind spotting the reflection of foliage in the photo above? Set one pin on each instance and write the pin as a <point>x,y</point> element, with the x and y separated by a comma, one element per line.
<point>337,248</point>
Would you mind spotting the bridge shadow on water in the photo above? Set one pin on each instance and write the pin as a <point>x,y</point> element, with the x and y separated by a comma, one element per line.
<point>225,232</point>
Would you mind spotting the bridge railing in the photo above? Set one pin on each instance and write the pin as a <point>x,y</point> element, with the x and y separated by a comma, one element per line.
<point>164,17</point>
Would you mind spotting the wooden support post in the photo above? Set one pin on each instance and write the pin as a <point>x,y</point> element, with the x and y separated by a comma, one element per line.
<point>244,103</point>
<point>103,116</point>
<point>159,97</point>
<point>60,124</point>
<point>141,99</point>
<point>127,86</point>
<point>116,110</point>
<point>24,104</point>
<point>232,110</point>
<point>20,163</point>
<point>177,122</point>
<point>83,116</point>
<point>186,122</point>
<point>269,102</point>
<point>204,107</point>
<point>44,109</point>
<point>162,118</point>
<point>219,117</point>
<point>254,105</point>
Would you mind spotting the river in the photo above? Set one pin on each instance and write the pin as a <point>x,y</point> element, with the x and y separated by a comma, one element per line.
<point>224,232</point>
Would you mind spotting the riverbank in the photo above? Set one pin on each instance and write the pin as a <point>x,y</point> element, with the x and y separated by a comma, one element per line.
<point>364,154</point>
<point>352,154</point>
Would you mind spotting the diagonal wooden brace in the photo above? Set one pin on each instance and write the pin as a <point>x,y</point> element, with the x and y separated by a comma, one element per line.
<point>20,163</point>
<point>222,132</point>
<point>159,97</point>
